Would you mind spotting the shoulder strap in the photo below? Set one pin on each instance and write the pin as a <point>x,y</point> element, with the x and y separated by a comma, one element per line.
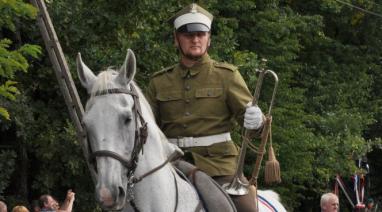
<point>165,70</point>
<point>225,65</point>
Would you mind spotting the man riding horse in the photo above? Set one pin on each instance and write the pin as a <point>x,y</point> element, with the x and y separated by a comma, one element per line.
<point>197,101</point>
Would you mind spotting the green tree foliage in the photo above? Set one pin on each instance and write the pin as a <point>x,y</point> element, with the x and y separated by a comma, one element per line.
<point>328,105</point>
<point>11,59</point>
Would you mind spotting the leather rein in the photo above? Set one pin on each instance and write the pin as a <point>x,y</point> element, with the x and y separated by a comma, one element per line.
<point>140,139</point>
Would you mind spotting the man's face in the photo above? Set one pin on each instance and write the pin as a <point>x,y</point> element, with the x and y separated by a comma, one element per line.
<point>331,205</point>
<point>193,44</point>
<point>51,203</point>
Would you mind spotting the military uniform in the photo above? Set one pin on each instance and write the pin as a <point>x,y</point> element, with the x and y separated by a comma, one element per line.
<point>197,107</point>
<point>201,101</point>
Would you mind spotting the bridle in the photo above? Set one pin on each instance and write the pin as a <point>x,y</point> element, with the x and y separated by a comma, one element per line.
<point>140,138</point>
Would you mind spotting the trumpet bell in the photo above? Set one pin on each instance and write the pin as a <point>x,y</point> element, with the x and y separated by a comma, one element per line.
<point>236,187</point>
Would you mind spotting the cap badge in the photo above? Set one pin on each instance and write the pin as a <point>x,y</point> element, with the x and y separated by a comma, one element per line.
<point>193,8</point>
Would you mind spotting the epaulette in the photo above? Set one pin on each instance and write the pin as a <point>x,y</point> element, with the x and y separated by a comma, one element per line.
<point>225,65</point>
<point>167,69</point>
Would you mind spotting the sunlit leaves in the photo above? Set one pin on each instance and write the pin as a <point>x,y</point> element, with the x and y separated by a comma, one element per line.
<point>12,10</point>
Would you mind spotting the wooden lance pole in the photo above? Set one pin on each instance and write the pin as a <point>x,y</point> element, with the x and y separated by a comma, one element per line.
<point>63,76</point>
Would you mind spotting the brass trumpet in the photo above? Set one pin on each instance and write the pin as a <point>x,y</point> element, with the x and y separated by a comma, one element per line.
<point>237,186</point>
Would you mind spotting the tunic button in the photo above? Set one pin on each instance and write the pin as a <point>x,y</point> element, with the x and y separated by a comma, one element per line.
<point>187,101</point>
<point>209,93</point>
<point>187,113</point>
<point>188,87</point>
<point>184,125</point>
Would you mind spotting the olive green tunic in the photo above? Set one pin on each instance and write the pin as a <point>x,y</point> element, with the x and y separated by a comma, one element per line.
<point>200,101</point>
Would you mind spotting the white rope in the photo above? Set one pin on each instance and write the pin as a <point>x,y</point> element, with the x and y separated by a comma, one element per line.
<point>356,189</point>
<point>343,189</point>
<point>360,8</point>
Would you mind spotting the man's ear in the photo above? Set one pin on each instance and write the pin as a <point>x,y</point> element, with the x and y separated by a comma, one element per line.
<point>209,38</point>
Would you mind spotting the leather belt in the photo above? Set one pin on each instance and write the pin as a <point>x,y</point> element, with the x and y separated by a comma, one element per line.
<point>200,141</point>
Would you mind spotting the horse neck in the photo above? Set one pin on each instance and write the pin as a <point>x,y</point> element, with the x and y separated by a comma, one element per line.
<point>166,182</point>
<point>153,155</point>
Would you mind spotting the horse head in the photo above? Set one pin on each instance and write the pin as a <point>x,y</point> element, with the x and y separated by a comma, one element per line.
<point>111,122</point>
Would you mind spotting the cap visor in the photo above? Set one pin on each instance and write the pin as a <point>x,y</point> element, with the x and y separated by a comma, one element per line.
<point>194,27</point>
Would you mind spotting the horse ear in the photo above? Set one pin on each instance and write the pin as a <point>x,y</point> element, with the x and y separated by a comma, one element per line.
<point>128,68</point>
<point>86,75</point>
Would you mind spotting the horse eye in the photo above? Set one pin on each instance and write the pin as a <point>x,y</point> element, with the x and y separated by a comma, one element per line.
<point>127,120</point>
<point>126,116</point>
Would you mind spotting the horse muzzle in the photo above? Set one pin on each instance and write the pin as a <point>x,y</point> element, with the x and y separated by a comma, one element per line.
<point>111,198</point>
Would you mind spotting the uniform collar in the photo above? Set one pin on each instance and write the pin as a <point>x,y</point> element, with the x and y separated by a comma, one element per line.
<point>196,68</point>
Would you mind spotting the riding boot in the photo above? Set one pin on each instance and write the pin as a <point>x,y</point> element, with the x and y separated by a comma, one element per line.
<point>243,203</point>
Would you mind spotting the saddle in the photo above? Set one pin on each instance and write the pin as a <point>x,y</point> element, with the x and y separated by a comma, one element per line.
<point>214,198</point>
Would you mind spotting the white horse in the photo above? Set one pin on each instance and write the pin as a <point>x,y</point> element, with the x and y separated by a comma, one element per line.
<point>129,151</point>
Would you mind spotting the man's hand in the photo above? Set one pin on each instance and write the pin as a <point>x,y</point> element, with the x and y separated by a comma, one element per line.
<point>68,203</point>
<point>253,117</point>
<point>70,195</point>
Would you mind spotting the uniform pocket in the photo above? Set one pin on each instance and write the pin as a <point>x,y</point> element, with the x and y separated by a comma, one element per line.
<point>211,103</point>
<point>208,92</point>
<point>170,104</point>
<point>169,96</point>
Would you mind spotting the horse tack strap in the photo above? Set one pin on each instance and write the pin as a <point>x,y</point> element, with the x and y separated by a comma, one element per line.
<point>175,155</point>
<point>143,129</point>
<point>126,163</point>
<point>115,91</point>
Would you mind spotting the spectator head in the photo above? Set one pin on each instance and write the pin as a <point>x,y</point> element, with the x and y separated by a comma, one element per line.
<point>329,202</point>
<point>20,208</point>
<point>46,201</point>
<point>3,207</point>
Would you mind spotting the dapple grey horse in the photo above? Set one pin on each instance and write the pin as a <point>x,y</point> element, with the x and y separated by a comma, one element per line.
<point>130,153</point>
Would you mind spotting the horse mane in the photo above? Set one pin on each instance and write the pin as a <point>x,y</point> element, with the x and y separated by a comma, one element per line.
<point>103,81</point>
